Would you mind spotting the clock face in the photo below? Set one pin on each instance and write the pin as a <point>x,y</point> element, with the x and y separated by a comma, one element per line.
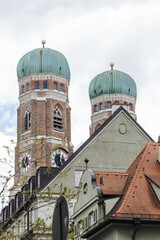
<point>58,158</point>
<point>25,161</point>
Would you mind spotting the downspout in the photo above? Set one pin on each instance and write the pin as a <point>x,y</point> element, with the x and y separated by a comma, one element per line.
<point>104,208</point>
<point>137,225</point>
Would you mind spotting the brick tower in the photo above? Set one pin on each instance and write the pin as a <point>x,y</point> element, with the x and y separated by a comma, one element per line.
<point>108,91</point>
<point>43,115</point>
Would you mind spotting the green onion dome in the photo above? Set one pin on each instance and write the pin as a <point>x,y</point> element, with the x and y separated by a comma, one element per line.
<point>112,81</point>
<point>43,60</point>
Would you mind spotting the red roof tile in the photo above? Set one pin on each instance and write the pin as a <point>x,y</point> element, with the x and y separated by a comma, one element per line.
<point>111,183</point>
<point>138,197</point>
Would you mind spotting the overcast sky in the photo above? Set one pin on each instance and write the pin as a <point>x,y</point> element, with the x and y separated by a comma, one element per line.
<point>91,34</point>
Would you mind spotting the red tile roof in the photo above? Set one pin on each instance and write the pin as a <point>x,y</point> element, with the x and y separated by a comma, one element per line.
<point>111,183</point>
<point>138,197</point>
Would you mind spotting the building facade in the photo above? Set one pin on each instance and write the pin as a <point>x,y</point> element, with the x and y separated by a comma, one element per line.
<point>121,205</point>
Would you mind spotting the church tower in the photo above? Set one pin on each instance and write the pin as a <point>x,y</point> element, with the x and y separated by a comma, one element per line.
<point>43,115</point>
<point>108,91</point>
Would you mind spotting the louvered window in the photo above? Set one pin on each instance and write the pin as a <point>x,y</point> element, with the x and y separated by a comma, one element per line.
<point>58,125</point>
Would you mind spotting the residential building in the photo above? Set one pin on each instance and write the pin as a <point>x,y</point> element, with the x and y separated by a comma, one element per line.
<point>121,205</point>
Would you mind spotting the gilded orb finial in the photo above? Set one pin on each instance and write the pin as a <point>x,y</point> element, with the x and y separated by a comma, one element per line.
<point>111,64</point>
<point>43,42</point>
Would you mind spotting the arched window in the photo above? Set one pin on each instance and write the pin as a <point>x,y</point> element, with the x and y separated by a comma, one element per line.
<point>116,102</point>
<point>23,89</point>
<point>28,87</point>
<point>108,105</point>
<point>95,108</point>
<point>61,88</point>
<point>100,106</point>
<point>45,85</point>
<point>55,86</point>
<point>57,119</point>
<point>36,85</point>
<point>130,106</point>
<point>27,120</point>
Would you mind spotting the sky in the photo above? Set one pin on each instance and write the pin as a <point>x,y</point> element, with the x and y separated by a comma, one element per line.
<point>90,34</point>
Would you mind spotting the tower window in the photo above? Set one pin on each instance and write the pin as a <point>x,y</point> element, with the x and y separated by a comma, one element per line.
<point>100,106</point>
<point>130,107</point>
<point>57,119</point>
<point>27,120</point>
<point>37,85</point>
<point>61,88</point>
<point>45,85</point>
<point>23,89</point>
<point>28,87</point>
<point>108,105</point>
<point>95,108</point>
<point>55,86</point>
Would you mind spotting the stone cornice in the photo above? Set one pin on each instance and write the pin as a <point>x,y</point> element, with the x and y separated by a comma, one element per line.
<point>33,95</point>
<point>113,97</point>
<point>42,77</point>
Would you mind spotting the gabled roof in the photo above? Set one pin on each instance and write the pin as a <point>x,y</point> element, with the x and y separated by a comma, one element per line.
<point>139,198</point>
<point>95,134</point>
<point>116,113</point>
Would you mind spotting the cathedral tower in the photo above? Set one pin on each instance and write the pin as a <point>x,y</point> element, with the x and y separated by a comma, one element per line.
<point>108,91</point>
<point>43,115</point>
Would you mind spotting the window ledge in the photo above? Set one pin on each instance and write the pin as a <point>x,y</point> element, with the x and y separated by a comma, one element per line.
<point>26,132</point>
<point>58,131</point>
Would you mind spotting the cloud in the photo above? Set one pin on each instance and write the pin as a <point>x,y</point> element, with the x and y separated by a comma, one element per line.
<point>90,34</point>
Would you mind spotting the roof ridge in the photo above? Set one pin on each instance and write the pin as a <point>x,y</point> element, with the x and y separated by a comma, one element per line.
<point>108,172</point>
<point>134,177</point>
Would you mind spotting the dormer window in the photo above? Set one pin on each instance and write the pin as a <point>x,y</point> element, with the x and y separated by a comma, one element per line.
<point>44,85</point>
<point>57,119</point>
<point>27,120</point>
<point>61,88</point>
